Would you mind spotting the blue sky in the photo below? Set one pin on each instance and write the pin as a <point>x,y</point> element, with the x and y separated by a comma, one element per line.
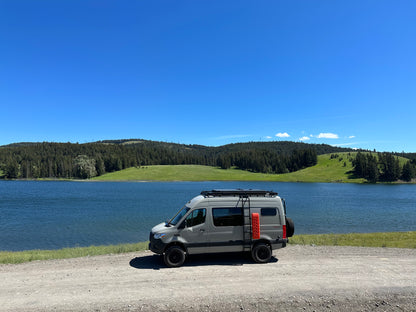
<point>209,72</point>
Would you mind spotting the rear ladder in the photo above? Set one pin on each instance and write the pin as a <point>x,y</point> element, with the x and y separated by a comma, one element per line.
<point>247,226</point>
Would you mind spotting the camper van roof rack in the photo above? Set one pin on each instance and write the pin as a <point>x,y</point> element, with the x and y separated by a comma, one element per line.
<point>238,192</point>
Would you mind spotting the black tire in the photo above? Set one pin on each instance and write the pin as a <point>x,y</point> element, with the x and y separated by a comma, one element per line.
<point>174,256</point>
<point>290,227</point>
<point>261,253</point>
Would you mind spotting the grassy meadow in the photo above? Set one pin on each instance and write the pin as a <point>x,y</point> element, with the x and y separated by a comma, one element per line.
<point>391,240</point>
<point>14,257</point>
<point>326,170</point>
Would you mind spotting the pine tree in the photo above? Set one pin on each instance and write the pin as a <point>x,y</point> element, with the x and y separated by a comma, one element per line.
<point>99,166</point>
<point>12,169</point>
<point>360,165</point>
<point>408,172</point>
<point>391,167</point>
<point>372,173</point>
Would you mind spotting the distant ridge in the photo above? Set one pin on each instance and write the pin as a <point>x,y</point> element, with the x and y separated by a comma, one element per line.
<point>280,146</point>
<point>19,144</point>
<point>277,146</point>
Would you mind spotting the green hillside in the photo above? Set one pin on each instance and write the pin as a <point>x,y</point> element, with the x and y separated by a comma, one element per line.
<point>136,159</point>
<point>82,161</point>
<point>328,169</point>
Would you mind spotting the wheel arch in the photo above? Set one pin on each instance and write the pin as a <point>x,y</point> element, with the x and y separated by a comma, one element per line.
<point>262,241</point>
<point>176,243</point>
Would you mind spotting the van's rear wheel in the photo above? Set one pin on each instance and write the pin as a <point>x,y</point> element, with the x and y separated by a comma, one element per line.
<point>261,253</point>
<point>174,256</point>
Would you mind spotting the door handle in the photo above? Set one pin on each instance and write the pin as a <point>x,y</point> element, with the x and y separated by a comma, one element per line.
<point>202,230</point>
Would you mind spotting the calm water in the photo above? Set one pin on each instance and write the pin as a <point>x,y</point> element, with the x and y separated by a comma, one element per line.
<point>51,215</point>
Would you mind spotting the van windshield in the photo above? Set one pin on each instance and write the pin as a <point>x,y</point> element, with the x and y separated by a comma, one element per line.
<point>179,215</point>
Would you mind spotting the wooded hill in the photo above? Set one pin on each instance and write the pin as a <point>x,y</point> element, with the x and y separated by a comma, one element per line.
<point>82,161</point>
<point>383,167</point>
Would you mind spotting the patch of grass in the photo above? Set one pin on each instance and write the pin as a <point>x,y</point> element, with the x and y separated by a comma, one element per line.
<point>326,170</point>
<point>183,173</point>
<point>392,239</point>
<point>14,257</point>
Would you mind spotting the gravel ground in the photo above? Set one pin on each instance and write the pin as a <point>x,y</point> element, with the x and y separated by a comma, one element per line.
<point>299,278</point>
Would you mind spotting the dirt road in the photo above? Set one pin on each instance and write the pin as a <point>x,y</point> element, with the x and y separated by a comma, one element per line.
<point>299,278</point>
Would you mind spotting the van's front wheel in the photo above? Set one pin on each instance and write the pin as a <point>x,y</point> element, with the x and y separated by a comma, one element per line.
<point>261,253</point>
<point>174,257</point>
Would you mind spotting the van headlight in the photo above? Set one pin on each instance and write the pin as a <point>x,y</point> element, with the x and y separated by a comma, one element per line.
<point>159,235</point>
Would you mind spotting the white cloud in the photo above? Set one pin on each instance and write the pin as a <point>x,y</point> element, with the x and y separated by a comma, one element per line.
<point>268,137</point>
<point>328,136</point>
<point>351,137</point>
<point>282,135</point>
<point>305,138</point>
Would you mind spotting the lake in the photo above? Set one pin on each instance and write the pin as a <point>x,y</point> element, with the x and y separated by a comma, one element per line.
<point>53,215</point>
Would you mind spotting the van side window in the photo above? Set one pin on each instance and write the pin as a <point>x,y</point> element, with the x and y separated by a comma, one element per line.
<point>268,211</point>
<point>196,217</point>
<point>227,216</point>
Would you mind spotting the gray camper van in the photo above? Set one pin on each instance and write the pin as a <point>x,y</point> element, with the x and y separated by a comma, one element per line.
<point>224,221</point>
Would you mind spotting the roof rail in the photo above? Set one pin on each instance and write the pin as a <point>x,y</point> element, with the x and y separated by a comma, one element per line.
<point>238,192</point>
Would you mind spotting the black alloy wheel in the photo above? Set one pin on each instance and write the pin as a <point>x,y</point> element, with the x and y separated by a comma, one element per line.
<point>261,253</point>
<point>174,256</point>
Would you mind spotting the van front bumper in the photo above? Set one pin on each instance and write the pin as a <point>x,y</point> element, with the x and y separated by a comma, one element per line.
<point>156,245</point>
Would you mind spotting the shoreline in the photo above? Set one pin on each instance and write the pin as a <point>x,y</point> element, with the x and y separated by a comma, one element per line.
<point>402,240</point>
<point>207,180</point>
